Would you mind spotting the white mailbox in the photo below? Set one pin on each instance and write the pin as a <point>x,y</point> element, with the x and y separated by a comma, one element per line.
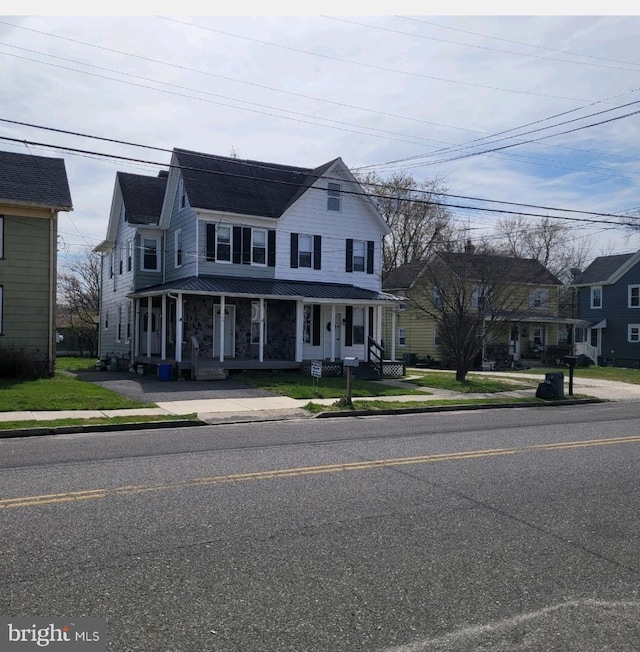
<point>351,362</point>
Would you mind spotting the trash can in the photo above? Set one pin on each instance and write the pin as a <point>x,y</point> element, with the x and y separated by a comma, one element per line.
<point>164,371</point>
<point>556,380</point>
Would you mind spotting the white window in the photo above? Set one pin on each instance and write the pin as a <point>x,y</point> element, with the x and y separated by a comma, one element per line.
<point>150,254</point>
<point>182,195</point>
<point>129,255</point>
<point>436,336</point>
<point>106,320</point>
<point>359,255</point>
<point>129,322</point>
<point>110,263</point>
<point>259,247</point>
<point>436,297</point>
<point>634,333</point>
<point>1,238</point>
<point>333,196</point>
<point>596,297</point>
<point>402,337</point>
<point>479,298</point>
<point>634,296</point>
<point>223,244</point>
<point>305,250</point>
<point>256,319</point>
<point>178,248</point>
<point>120,251</point>
<point>119,325</point>
<point>539,298</point>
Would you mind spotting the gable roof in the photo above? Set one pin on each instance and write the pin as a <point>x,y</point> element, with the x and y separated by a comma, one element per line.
<point>34,181</point>
<point>604,269</point>
<point>246,187</point>
<point>142,196</point>
<point>519,270</point>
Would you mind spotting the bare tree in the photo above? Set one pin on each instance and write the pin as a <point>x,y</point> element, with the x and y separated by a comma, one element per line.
<point>415,213</point>
<point>471,298</point>
<point>79,298</point>
<point>549,241</point>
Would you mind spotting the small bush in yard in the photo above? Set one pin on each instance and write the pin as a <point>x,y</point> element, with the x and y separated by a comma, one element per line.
<point>19,362</point>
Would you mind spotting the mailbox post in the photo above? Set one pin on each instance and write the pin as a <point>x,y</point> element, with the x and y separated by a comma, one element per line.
<point>571,361</point>
<point>349,364</point>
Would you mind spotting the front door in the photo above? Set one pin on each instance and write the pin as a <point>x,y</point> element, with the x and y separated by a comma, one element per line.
<point>326,320</point>
<point>229,331</point>
<point>156,323</point>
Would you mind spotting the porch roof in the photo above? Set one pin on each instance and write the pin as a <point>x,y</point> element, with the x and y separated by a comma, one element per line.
<point>272,288</point>
<point>526,317</point>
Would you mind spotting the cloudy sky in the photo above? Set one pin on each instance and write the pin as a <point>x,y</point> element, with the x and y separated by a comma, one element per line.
<point>535,110</point>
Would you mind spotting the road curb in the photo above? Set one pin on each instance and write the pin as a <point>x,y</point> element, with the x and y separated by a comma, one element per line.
<point>455,408</point>
<point>80,428</point>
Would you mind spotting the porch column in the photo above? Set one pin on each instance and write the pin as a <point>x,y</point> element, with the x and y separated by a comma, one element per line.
<point>261,332</point>
<point>149,322</point>
<point>136,329</point>
<point>366,334</point>
<point>333,332</point>
<point>221,335</point>
<point>299,330</point>
<point>393,334</point>
<point>179,328</point>
<point>163,332</point>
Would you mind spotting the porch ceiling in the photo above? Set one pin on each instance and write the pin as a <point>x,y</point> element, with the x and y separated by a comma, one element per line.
<point>271,288</point>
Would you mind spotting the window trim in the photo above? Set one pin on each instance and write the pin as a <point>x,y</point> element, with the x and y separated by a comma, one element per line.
<point>144,253</point>
<point>402,337</point>
<point>334,196</point>
<point>364,256</point>
<point>177,249</point>
<point>630,328</point>
<point>263,247</point>
<point>593,290</point>
<point>119,324</point>
<point>229,244</point>
<point>301,238</point>
<point>629,290</point>
<point>129,254</point>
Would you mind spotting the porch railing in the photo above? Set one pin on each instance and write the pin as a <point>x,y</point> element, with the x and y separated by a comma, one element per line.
<point>376,356</point>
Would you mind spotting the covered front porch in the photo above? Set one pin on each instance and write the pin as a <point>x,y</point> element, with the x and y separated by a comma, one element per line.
<point>220,324</point>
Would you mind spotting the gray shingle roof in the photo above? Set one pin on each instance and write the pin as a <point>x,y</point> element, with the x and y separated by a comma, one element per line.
<point>267,287</point>
<point>517,270</point>
<point>601,269</point>
<point>240,186</point>
<point>143,196</point>
<point>34,181</point>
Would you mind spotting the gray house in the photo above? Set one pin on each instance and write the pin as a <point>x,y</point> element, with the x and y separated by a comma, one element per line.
<point>33,190</point>
<point>222,263</point>
<point>608,298</point>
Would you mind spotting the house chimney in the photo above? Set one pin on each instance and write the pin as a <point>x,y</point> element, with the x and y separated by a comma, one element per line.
<point>469,247</point>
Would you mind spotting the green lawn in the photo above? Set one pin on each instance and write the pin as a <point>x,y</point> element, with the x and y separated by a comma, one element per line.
<point>297,385</point>
<point>473,384</point>
<point>620,374</point>
<point>62,392</point>
<point>69,363</point>
<point>100,421</point>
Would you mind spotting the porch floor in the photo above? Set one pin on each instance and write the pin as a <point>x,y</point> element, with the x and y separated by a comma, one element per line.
<point>229,363</point>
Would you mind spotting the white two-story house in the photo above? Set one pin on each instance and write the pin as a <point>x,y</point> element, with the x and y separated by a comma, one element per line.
<point>241,264</point>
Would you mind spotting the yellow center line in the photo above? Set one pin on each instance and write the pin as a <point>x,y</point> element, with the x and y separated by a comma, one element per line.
<point>93,494</point>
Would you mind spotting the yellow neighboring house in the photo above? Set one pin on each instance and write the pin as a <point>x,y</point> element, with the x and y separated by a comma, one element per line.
<point>525,325</point>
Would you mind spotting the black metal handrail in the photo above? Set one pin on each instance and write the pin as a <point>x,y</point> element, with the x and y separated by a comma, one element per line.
<point>376,356</point>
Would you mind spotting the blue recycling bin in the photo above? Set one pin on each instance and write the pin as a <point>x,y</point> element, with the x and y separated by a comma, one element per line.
<point>164,371</point>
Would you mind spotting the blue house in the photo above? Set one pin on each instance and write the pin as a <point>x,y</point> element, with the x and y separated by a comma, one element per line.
<point>608,298</point>
<point>222,263</point>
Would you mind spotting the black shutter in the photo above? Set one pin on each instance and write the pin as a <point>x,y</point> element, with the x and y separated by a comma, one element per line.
<point>211,241</point>
<point>370,247</point>
<point>246,245</point>
<point>271,248</point>
<point>317,252</point>
<point>315,333</point>
<point>349,259</point>
<point>237,244</point>
<point>371,322</point>
<point>348,327</point>
<point>294,250</point>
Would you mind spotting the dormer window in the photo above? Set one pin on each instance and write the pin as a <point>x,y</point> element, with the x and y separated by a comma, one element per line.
<point>333,196</point>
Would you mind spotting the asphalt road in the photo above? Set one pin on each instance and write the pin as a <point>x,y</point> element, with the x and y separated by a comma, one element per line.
<point>498,530</point>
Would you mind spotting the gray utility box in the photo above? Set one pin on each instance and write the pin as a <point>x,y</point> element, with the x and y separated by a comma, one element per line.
<point>556,380</point>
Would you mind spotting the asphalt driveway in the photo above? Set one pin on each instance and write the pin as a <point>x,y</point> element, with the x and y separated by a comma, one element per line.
<point>150,389</point>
